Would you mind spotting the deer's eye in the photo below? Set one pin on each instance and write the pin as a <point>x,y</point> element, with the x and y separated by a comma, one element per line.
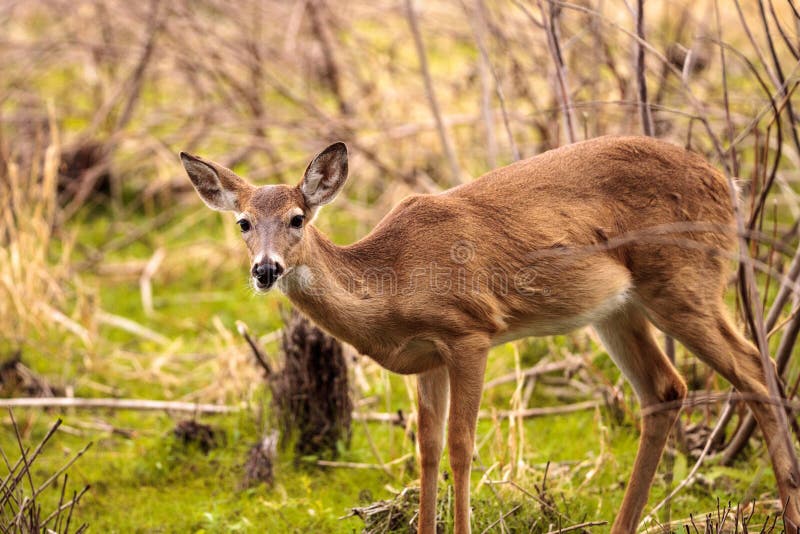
<point>244,224</point>
<point>297,221</point>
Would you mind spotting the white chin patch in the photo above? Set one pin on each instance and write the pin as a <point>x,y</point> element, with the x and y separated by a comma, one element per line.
<point>258,288</point>
<point>299,276</point>
<point>304,277</point>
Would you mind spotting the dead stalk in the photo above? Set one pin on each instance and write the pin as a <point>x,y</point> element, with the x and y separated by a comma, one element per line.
<point>116,404</point>
<point>550,21</point>
<point>444,137</point>
<point>641,82</point>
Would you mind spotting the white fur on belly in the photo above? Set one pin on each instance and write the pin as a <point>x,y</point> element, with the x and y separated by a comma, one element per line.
<point>563,325</point>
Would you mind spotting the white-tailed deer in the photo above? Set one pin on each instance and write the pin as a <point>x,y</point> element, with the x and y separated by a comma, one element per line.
<point>620,233</point>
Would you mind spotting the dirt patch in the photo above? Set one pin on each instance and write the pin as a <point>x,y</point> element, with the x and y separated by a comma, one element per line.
<point>694,440</point>
<point>191,432</point>
<point>84,172</point>
<point>259,467</point>
<point>19,380</point>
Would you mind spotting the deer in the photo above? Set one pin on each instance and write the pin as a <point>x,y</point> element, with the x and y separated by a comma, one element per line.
<point>628,235</point>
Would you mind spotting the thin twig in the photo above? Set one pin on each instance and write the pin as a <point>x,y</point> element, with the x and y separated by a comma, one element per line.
<point>784,292</point>
<point>131,326</point>
<point>571,363</point>
<point>261,358</point>
<point>46,484</point>
<point>726,102</point>
<point>578,526</point>
<point>444,137</point>
<point>478,30</point>
<point>116,404</point>
<point>781,81</point>
<point>541,412</point>
<point>554,46</point>
<point>500,519</point>
<point>146,280</point>
<point>641,82</point>
<point>361,465</point>
<point>134,83</point>
<point>72,502</point>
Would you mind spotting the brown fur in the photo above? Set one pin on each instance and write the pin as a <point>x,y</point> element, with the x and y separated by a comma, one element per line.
<point>618,232</point>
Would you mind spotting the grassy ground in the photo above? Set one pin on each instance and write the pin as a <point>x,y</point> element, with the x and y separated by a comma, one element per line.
<point>151,482</point>
<point>154,483</point>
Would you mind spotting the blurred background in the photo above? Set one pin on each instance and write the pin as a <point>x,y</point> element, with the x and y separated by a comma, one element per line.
<point>118,285</point>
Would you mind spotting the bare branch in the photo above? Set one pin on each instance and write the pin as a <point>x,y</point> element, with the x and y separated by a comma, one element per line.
<point>261,358</point>
<point>115,404</point>
<point>444,137</point>
<point>641,82</point>
<point>554,46</point>
<point>478,30</point>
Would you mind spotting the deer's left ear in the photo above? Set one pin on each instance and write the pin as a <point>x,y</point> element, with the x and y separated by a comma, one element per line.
<point>325,176</point>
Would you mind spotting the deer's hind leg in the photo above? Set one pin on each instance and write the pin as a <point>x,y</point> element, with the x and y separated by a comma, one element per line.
<point>704,328</point>
<point>628,337</point>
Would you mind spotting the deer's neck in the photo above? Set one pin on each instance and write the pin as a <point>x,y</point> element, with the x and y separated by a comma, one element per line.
<point>328,286</point>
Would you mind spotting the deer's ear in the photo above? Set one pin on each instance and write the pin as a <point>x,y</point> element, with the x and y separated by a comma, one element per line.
<point>325,176</point>
<point>219,187</point>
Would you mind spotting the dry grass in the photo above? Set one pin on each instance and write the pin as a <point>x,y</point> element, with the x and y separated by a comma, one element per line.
<point>21,510</point>
<point>38,288</point>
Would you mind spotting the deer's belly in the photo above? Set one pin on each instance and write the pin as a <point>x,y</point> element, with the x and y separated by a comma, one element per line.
<point>543,325</point>
<point>411,357</point>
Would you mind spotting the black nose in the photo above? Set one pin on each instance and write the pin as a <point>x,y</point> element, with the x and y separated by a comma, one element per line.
<point>267,272</point>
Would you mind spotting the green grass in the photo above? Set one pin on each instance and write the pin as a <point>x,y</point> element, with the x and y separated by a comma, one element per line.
<point>154,483</point>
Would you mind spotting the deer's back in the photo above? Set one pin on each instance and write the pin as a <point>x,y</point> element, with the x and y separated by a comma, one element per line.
<point>637,181</point>
<point>629,190</point>
<point>553,242</point>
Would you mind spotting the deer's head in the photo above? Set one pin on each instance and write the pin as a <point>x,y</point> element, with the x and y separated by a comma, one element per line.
<point>272,218</point>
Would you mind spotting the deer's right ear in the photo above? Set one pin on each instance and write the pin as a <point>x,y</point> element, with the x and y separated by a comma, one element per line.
<point>219,187</point>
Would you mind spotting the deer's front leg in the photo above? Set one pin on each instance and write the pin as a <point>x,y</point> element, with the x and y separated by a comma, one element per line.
<point>466,370</point>
<point>433,388</point>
